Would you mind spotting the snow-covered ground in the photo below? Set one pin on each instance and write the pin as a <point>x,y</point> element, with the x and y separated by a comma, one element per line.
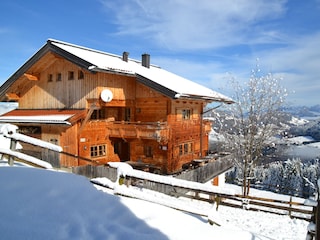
<point>299,140</point>
<point>298,121</point>
<point>47,204</point>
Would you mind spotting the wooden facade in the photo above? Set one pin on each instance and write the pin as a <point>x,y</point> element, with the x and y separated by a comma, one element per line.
<point>140,124</point>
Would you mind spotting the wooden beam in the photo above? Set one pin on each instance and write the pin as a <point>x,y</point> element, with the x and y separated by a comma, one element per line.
<point>90,111</point>
<point>31,77</point>
<point>12,96</point>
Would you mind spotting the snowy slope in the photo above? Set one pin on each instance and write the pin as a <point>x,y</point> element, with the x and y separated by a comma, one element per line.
<point>44,204</point>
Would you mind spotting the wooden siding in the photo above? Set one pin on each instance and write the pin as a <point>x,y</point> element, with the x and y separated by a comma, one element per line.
<point>157,158</point>
<point>48,133</point>
<point>150,106</point>
<point>95,133</point>
<point>136,118</point>
<point>186,132</point>
<point>74,93</point>
<point>69,144</point>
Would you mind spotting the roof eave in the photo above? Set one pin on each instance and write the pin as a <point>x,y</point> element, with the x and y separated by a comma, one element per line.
<point>175,95</point>
<point>204,98</point>
<point>155,86</point>
<point>25,121</point>
<point>6,85</point>
<point>68,56</point>
<point>94,69</point>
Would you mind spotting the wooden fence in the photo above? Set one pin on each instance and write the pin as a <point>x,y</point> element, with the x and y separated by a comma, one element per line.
<point>199,174</point>
<point>292,208</point>
<point>91,171</point>
<point>202,192</point>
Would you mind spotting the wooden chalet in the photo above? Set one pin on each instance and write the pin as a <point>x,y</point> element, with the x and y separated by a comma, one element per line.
<point>101,107</point>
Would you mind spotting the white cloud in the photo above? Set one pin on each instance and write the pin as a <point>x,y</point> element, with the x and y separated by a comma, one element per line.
<point>193,25</point>
<point>214,26</point>
<point>296,63</point>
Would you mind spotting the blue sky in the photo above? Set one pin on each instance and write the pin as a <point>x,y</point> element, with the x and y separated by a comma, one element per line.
<point>207,41</point>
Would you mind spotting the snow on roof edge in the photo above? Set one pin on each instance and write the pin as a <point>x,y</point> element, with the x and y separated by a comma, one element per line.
<point>51,40</point>
<point>167,79</point>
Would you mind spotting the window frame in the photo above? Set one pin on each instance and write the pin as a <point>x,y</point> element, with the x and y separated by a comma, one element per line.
<point>70,75</point>
<point>80,75</point>
<point>185,148</point>
<point>148,151</point>
<point>186,114</point>
<point>50,77</point>
<point>98,151</point>
<point>58,77</point>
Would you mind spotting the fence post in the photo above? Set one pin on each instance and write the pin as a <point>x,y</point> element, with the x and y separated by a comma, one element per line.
<point>317,217</point>
<point>13,144</point>
<point>317,220</point>
<point>290,205</point>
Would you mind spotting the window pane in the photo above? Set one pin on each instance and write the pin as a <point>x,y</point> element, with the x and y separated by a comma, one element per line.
<point>70,75</point>
<point>80,75</point>
<point>180,150</point>
<point>58,77</point>
<point>185,148</point>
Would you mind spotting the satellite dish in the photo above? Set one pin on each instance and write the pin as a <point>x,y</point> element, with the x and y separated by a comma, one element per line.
<point>106,95</point>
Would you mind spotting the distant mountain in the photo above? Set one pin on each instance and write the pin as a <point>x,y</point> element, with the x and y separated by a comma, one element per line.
<point>304,111</point>
<point>315,108</point>
<point>311,128</point>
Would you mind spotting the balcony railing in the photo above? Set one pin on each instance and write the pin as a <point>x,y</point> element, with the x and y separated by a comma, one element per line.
<point>158,131</point>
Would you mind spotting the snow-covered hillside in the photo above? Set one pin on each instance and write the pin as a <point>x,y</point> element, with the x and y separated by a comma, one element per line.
<point>46,204</point>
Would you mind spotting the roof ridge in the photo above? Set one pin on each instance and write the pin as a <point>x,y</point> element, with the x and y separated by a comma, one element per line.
<point>51,40</point>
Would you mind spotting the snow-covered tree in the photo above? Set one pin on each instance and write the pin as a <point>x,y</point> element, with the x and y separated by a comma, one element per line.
<point>274,177</point>
<point>292,179</point>
<point>252,120</point>
<point>310,175</point>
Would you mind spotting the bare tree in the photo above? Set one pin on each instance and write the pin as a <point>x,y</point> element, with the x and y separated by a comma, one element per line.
<point>252,120</point>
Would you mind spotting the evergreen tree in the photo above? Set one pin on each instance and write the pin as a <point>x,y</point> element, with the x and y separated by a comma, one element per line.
<point>310,175</point>
<point>274,177</point>
<point>293,181</point>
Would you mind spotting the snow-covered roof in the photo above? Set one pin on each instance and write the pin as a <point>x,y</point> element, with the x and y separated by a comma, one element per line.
<point>41,116</point>
<point>156,76</point>
<point>59,119</point>
<point>165,82</point>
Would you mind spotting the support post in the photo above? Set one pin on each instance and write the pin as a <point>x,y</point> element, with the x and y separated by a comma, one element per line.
<point>317,217</point>
<point>13,144</point>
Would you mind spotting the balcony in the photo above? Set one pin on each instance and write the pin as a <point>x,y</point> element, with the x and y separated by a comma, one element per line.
<point>158,131</point>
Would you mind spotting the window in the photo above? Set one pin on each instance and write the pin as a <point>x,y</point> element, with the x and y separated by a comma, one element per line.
<point>50,78</point>
<point>186,148</point>
<point>127,114</point>
<point>58,77</point>
<point>186,114</point>
<point>70,75</point>
<point>148,151</point>
<point>98,114</point>
<point>80,75</point>
<point>98,151</point>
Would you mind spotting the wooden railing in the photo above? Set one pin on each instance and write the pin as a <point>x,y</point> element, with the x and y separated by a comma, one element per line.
<point>145,130</point>
<point>220,196</point>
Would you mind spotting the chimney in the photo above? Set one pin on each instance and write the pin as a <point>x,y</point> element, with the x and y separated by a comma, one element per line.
<point>146,60</point>
<point>125,56</point>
